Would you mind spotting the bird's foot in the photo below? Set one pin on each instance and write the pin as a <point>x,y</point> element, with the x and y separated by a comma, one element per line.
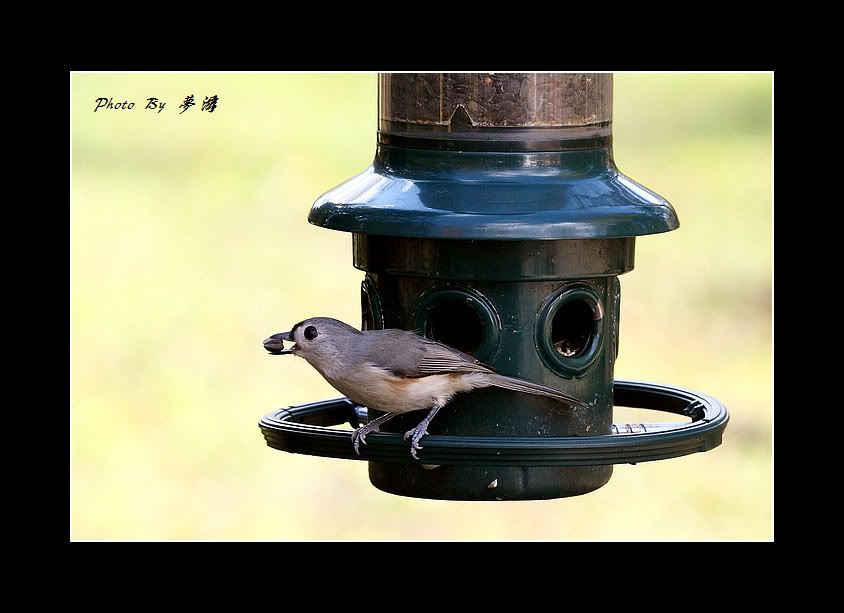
<point>359,435</point>
<point>414,435</point>
<point>419,431</point>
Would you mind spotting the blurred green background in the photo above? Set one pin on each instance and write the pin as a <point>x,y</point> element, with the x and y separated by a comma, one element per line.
<point>190,245</point>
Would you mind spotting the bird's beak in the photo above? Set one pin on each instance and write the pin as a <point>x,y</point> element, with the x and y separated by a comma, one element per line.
<point>275,345</point>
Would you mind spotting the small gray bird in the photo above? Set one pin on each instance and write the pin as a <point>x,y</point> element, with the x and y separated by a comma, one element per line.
<point>394,371</point>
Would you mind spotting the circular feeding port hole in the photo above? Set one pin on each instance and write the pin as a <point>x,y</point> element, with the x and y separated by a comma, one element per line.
<point>569,330</point>
<point>456,324</point>
<point>572,327</point>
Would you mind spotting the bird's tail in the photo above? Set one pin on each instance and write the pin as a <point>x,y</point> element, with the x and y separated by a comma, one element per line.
<point>520,385</point>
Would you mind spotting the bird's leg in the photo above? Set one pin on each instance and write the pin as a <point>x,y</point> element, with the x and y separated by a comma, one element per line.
<point>359,435</point>
<point>421,430</point>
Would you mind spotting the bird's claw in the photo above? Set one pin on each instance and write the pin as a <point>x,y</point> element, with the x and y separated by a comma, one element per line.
<point>359,435</point>
<point>415,434</point>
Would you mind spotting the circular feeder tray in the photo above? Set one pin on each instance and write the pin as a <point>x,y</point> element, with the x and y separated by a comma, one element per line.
<point>304,429</point>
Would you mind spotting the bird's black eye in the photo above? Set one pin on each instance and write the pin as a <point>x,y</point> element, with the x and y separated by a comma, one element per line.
<point>311,333</point>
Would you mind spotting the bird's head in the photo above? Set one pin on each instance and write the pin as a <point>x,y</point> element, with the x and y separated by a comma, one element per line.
<point>319,340</point>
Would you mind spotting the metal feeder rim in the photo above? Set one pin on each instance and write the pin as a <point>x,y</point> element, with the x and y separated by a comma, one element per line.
<point>303,429</point>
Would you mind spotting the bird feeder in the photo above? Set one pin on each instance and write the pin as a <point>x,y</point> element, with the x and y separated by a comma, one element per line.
<point>494,220</point>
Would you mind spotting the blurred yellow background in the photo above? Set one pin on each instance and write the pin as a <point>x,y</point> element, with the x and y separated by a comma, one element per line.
<point>190,245</point>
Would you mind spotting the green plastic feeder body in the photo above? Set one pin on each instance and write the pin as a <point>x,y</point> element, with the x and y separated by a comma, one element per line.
<point>494,219</point>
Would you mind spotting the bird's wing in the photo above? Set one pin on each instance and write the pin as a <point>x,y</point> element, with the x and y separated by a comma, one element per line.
<point>440,359</point>
<point>406,354</point>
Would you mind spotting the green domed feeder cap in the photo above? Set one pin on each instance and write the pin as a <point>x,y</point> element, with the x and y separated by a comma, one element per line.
<point>484,195</point>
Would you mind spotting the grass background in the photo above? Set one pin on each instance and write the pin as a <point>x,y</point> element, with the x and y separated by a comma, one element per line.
<point>190,245</point>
